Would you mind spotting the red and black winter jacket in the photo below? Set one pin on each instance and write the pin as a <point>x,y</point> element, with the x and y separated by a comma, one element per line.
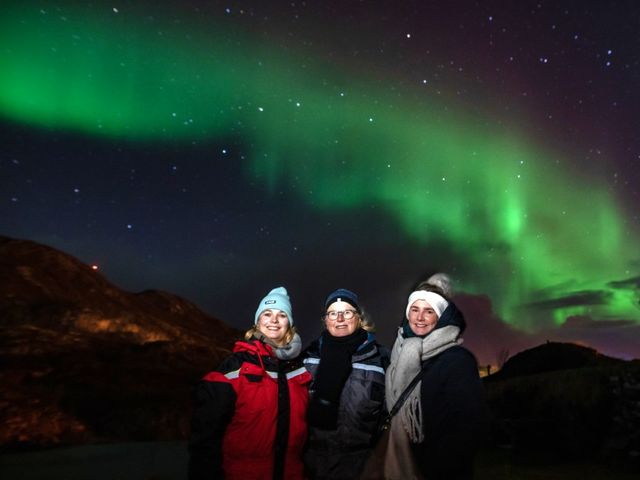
<point>249,417</point>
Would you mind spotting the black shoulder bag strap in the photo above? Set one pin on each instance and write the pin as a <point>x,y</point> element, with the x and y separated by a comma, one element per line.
<point>386,424</point>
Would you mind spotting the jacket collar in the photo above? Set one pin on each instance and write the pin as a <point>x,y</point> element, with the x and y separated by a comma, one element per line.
<point>368,349</point>
<point>254,346</point>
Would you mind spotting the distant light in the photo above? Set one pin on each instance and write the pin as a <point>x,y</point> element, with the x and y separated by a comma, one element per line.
<point>94,267</point>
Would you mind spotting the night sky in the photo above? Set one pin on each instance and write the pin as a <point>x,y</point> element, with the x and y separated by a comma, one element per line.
<point>219,149</point>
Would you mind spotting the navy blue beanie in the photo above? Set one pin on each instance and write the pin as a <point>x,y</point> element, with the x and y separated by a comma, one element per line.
<point>343,295</point>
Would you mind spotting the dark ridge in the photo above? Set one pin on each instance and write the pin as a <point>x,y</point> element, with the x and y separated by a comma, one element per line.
<point>552,356</point>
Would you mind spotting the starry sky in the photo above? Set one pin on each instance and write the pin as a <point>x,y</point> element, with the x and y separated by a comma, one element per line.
<point>219,149</point>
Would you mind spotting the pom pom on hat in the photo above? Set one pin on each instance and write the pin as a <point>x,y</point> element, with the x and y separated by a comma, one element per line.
<point>343,295</point>
<point>442,281</point>
<point>276,299</point>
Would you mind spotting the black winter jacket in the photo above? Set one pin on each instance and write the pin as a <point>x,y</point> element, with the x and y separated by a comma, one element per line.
<point>455,416</point>
<point>341,453</point>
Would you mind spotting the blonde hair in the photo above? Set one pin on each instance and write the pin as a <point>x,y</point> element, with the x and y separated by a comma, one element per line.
<point>365,322</point>
<point>288,336</point>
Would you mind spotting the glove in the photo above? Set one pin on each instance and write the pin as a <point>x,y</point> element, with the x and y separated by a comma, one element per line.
<point>322,414</point>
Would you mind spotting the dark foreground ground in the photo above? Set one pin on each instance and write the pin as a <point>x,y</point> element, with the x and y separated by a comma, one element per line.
<point>123,461</point>
<point>168,460</point>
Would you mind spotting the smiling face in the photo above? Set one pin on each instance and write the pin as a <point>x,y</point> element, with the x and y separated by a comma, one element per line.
<point>274,325</point>
<point>422,317</point>
<point>341,319</point>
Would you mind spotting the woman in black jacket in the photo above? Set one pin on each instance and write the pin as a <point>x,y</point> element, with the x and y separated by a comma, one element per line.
<point>437,431</point>
<point>347,394</point>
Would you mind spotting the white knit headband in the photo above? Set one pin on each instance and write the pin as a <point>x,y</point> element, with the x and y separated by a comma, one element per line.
<point>437,302</point>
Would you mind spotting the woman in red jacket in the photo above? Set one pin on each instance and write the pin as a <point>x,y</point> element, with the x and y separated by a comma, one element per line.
<point>249,414</point>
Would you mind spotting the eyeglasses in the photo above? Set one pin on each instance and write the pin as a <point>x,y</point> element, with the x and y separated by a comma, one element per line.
<point>333,315</point>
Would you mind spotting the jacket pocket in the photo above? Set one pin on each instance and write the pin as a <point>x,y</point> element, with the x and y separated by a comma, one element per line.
<point>253,393</point>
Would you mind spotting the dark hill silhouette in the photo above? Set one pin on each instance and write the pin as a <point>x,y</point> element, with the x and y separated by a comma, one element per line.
<point>85,361</point>
<point>553,356</point>
<point>567,401</point>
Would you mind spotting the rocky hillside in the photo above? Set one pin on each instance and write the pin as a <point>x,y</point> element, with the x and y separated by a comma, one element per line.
<point>84,361</point>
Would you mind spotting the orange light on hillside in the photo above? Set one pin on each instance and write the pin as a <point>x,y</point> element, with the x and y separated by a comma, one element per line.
<point>94,267</point>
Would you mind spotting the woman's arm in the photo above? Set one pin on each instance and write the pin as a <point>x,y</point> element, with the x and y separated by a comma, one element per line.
<point>455,416</point>
<point>214,406</point>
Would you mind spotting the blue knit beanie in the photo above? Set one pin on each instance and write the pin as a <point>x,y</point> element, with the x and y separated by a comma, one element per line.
<point>343,295</point>
<point>277,299</point>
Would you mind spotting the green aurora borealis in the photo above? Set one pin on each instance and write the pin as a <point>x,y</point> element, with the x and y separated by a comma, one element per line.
<point>338,141</point>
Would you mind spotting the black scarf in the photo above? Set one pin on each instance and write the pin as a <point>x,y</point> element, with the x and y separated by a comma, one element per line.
<point>333,371</point>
